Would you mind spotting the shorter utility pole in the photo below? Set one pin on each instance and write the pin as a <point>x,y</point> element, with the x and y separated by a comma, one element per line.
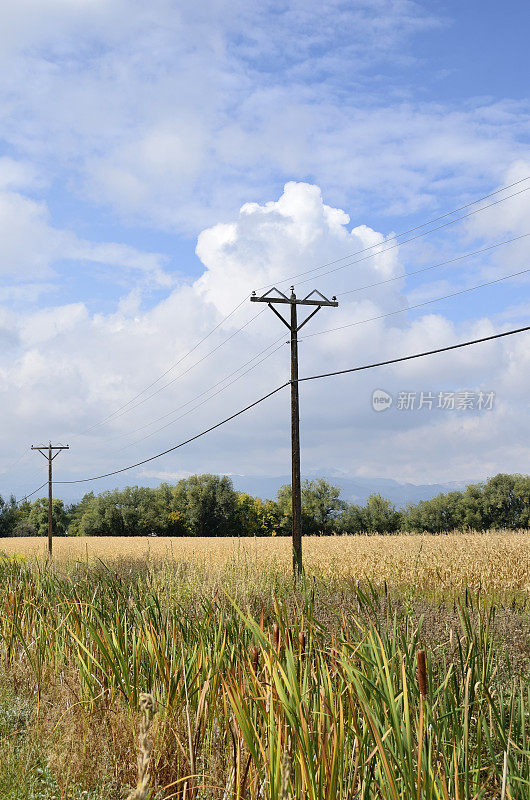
<point>316,299</point>
<point>47,450</point>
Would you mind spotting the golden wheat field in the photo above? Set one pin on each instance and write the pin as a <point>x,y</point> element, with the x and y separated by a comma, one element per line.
<point>489,561</point>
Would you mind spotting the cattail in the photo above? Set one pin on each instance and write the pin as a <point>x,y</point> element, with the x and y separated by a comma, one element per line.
<point>286,774</point>
<point>255,659</point>
<point>275,636</point>
<point>301,644</point>
<point>147,708</point>
<point>422,673</point>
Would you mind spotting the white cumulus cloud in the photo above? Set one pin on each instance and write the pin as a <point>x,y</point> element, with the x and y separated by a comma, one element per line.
<point>65,369</point>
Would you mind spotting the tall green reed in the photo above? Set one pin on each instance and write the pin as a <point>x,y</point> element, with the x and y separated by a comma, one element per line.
<point>266,696</point>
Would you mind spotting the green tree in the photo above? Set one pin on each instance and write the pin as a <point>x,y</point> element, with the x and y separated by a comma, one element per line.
<point>472,507</point>
<point>208,504</point>
<point>503,501</point>
<point>38,517</point>
<point>256,517</point>
<point>522,492</point>
<point>76,512</point>
<point>321,506</point>
<point>380,515</point>
<point>440,514</point>
<point>100,516</point>
<point>133,511</point>
<point>9,515</point>
<point>352,519</point>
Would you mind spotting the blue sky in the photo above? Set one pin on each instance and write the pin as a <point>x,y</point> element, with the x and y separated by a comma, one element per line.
<point>131,137</point>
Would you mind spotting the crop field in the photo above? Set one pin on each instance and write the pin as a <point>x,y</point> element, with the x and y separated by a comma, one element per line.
<point>195,669</point>
<point>491,561</point>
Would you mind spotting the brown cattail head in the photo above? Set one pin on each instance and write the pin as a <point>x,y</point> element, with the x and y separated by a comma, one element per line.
<point>301,643</point>
<point>286,774</point>
<point>255,658</point>
<point>147,709</point>
<point>422,673</point>
<point>275,636</point>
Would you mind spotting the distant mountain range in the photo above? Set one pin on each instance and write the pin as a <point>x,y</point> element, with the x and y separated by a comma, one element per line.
<point>353,490</point>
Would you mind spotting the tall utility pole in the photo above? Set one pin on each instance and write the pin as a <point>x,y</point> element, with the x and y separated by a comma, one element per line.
<point>314,298</point>
<point>46,450</point>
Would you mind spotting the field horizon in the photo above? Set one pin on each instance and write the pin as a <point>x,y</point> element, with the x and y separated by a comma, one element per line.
<point>494,560</point>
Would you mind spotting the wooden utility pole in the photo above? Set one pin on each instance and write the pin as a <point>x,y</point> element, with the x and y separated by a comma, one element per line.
<point>314,298</point>
<point>46,450</point>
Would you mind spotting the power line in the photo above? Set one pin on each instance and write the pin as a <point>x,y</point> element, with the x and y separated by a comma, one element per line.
<point>172,367</point>
<point>417,305</point>
<point>124,406</point>
<point>416,355</point>
<point>172,422</point>
<point>32,493</point>
<point>283,385</point>
<point>433,266</point>
<point>406,241</point>
<point>48,452</point>
<point>411,230</point>
<point>227,377</point>
<point>125,410</point>
<point>14,464</point>
<point>201,394</point>
<point>181,444</point>
<point>18,460</point>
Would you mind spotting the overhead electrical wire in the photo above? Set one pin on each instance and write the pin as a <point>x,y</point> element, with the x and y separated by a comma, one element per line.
<point>116,415</point>
<point>359,322</point>
<point>287,383</point>
<point>32,493</point>
<point>406,241</point>
<point>163,427</point>
<point>411,230</point>
<point>415,355</point>
<point>417,305</point>
<point>433,266</point>
<point>181,444</point>
<point>18,460</point>
<point>227,377</point>
<point>12,467</point>
<point>201,394</point>
<point>124,407</point>
<point>173,366</point>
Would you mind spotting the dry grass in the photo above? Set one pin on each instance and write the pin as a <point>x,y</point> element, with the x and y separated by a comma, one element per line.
<point>498,561</point>
<point>265,690</point>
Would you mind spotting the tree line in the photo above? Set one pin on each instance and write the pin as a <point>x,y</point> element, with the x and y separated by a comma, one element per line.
<point>208,505</point>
